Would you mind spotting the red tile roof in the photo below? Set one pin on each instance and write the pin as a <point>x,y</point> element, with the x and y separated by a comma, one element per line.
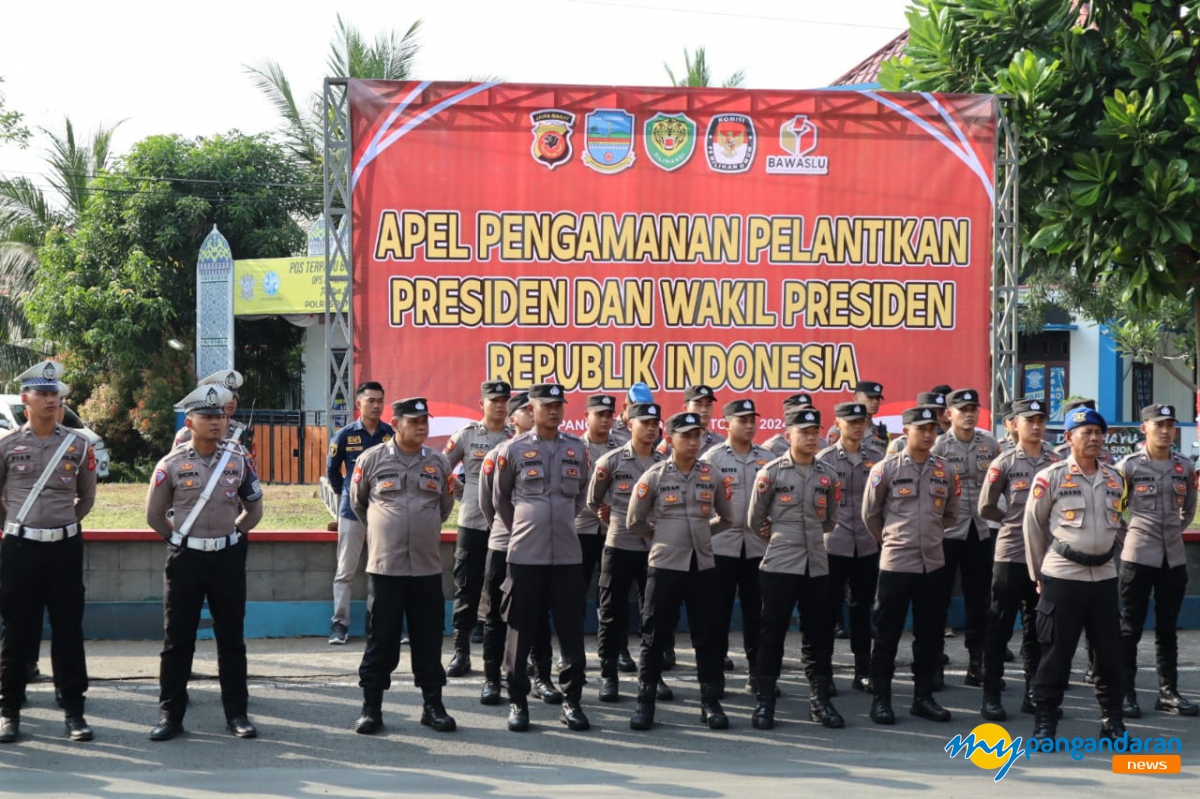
<point>868,70</point>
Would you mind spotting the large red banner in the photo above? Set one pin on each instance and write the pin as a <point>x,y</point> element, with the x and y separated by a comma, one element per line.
<point>760,242</point>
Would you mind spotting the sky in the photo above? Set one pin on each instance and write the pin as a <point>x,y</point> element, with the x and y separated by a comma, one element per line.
<point>169,67</point>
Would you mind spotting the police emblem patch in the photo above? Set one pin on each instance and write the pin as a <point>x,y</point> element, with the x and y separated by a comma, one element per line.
<point>876,477</point>
<point>904,492</point>
<point>993,475</point>
<point>608,141</point>
<point>532,473</point>
<point>730,143</point>
<point>671,498</point>
<point>938,502</point>
<point>529,453</point>
<point>762,486</point>
<point>570,452</point>
<point>1069,515</point>
<point>489,465</point>
<point>479,453</point>
<point>785,497</point>
<point>552,130</point>
<point>824,481</point>
<point>429,469</point>
<point>571,471</point>
<point>624,486</point>
<point>669,140</point>
<point>642,489</point>
<point>332,449</point>
<point>357,474</point>
<point>387,484</point>
<point>159,476</point>
<point>601,473</point>
<point>431,485</point>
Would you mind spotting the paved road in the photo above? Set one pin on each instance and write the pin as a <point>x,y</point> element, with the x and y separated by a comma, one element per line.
<point>304,697</point>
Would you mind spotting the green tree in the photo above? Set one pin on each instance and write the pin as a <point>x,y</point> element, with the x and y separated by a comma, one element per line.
<point>120,285</point>
<point>696,72</point>
<point>11,127</point>
<point>1106,101</point>
<point>389,57</point>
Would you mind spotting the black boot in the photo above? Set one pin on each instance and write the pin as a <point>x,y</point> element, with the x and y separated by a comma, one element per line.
<point>974,669</point>
<point>77,728</point>
<point>663,692</point>
<point>764,710</point>
<point>881,705</point>
<point>433,712</point>
<point>1170,701</point>
<point>518,715</point>
<point>1045,720</point>
<point>610,687</point>
<point>643,714</point>
<point>460,663</point>
<point>925,706</point>
<point>1111,727</point>
<point>819,707</point>
<point>371,720</point>
<point>10,729</point>
<point>490,693</point>
<point>1027,699</point>
<point>991,709</point>
<point>711,712</point>
<point>1129,705</point>
<point>625,662</point>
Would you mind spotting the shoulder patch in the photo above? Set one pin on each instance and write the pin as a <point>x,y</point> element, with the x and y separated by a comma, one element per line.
<point>993,474</point>
<point>642,490</point>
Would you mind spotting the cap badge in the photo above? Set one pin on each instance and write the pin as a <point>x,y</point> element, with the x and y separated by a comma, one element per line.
<point>554,392</point>
<point>925,414</point>
<point>1035,406</point>
<point>808,417</point>
<point>1079,416</point>
<point>420,406</point>
<point>212,398</point>
<point>653,409</point>
<point>1165,410</point>
<point>690,419</point>
<point>49,372</point>
<point>747,405</point>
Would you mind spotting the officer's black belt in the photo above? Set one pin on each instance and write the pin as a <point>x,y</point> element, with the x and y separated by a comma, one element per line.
<point>1082,558</point>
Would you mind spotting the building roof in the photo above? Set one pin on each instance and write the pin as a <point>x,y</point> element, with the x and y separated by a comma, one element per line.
<point>867,72</point>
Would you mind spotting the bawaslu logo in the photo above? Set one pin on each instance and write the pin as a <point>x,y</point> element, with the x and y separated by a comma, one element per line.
<point>798,138</point>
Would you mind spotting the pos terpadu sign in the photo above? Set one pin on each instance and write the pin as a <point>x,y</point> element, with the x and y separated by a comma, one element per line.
<point>279,286</point>
<point>760,242</point>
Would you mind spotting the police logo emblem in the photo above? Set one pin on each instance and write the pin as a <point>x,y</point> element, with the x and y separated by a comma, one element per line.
<point>1035,406</point>
<point>785,497</point>
<point>552,130</point>
<point>690,419</point>
<point>608,141</point>
<point>1079,416</point>
<point>642,490</point>
<point>1167,410</point>
<point>429,469</point>
<point>246,284</point>
<point>671,498</point>
<point>653,409</point>
<point>420,406</point>
<point>730,143</point>
<point>529,453</point>
<point>669,140</point>
<point>624,486</point>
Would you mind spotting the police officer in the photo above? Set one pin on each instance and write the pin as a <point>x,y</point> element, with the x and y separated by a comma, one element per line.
<point>232,380</point>
<point>738,549</point>
<point>1064,449</point>
<point>403,491</point>
<point>778,443</point>
<point>1162,504</point>
<point>853,551</point>
<point>600,409</point>
<point>348,443</point>
<point>520,419</point>
<point>672,508</point>
<point>209,484</point>
<point>468,446</point>
<point>638,394</point>
<point>795,500</point>
<point>1072,525</point>
<point>539,490</point>
<point>870,394</point>
<point>968,542</point>
<point>1002,498</point>
<point>698,399</point>
<point>930,399</point>
<point>625,557</point>
<point>1008,419</point>
<point>47,487</point>
<point>911,500</point>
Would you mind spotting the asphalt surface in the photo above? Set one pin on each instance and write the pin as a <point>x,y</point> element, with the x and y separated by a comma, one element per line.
<point>304,699</point>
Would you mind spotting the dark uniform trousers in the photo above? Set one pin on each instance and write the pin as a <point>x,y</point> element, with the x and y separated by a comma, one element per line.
<point>417,602</point>
<point>1065,609</point>
<point>666,589</point>
<point>926,593</point>
<point>190,577</point>
<point>781,593</point>
<point>739,577</point>
<point>972,558</point>
<point>529,592</point>
<point>861,573</point>
<point>494,628</point>
<point>1013,592</point>
<point>592,547</point>
<point>620,569</point>
<point>36,577</point>
<point>1168,585</point>
<point>470,555</point>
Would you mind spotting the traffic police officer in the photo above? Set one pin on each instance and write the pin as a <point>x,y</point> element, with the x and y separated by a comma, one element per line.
<point>232,380</point>
<point>968,543</point>
<point>853,551</point>
<point>738,549</point>
<point>672,508</point>
<point>403,491</point>
<point>1162,504</point>
<point>468,446</point>
<point>348,443</point>
<point>209,484</point>
<point>539,490</point>
<point>1002,498</point>
<point>911,500</point>
<point>795,500</point>
<point>1072,528</point>
<point>624,561</point>
<point>47,487</point>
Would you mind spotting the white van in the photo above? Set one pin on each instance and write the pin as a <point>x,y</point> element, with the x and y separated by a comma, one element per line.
<point>12,416</point>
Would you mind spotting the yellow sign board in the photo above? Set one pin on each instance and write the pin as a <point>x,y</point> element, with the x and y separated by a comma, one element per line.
<point>279,286</point>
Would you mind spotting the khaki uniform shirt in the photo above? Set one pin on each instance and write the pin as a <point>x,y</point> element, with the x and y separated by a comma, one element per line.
<point>673,511</point>
<point>851,538</point>
<point>402,499</point>
<point>736,473</point>
<point>539,489</point>
<point>1068,505</point>
<point>497,531</point>
<point>908,507</point>
<point>801,503</point>
<point>587,522</point>
<point>613,480</point>
<point>1004,494</point>
<point>972,458</point>
<point>707,442</point>
<point>181,477</point>
<point>70,492</point>
<point>1162,503</point>
<point>468,446</point>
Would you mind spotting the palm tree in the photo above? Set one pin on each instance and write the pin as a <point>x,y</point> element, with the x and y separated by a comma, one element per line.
<point>27,215</point>
<point>389,57</point>
<point>697,73</point>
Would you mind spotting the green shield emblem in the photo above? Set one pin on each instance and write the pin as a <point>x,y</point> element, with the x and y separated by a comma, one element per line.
<point>670,140</point>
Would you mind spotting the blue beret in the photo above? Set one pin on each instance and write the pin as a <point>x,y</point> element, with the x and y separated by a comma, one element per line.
<point>1084,416</point>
